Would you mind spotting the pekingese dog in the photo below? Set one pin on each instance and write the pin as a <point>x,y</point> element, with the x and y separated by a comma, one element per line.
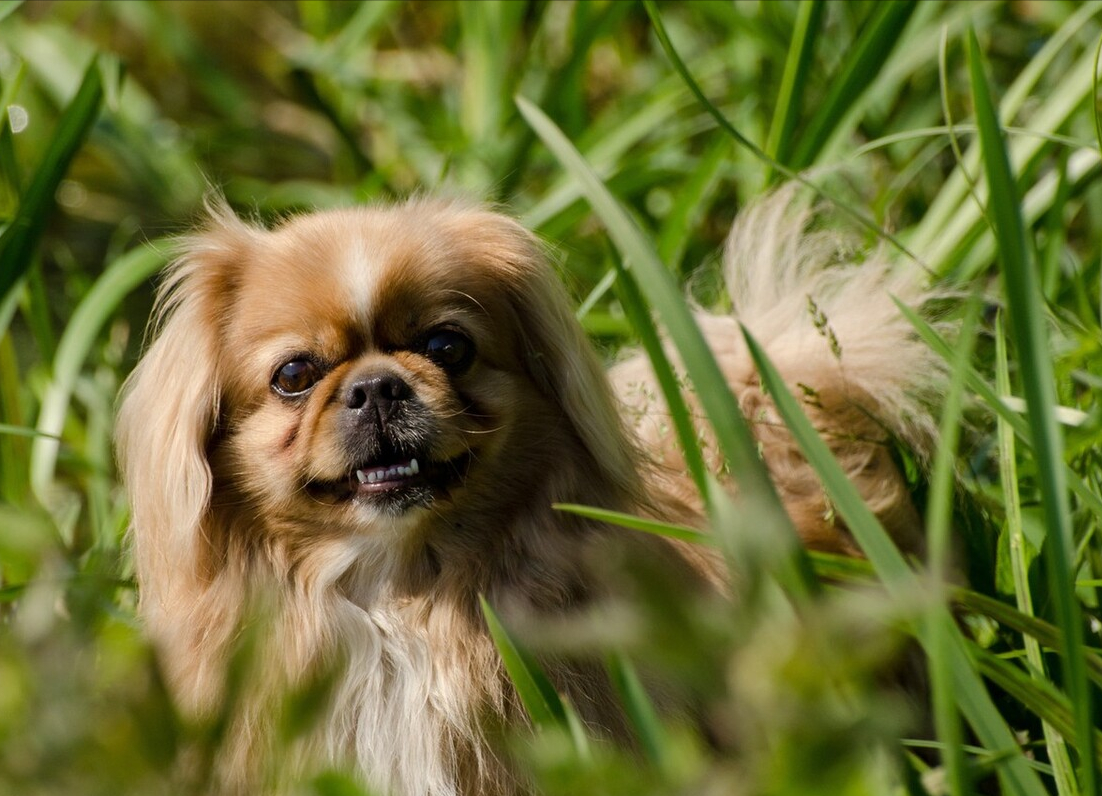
<point>357,422</point>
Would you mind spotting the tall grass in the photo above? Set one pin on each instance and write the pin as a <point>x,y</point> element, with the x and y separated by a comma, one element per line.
<point>961,137</point>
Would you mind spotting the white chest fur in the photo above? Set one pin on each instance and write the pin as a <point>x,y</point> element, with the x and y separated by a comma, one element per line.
<point>412,677</point>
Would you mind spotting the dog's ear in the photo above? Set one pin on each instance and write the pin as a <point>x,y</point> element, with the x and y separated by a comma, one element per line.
<point>564,365</point>
<point>169,413</point>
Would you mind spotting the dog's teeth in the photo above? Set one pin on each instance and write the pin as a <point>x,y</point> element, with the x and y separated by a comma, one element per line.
<point>394,472</point>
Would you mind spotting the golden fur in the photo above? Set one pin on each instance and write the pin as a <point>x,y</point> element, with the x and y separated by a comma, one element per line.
<point>245,500</point>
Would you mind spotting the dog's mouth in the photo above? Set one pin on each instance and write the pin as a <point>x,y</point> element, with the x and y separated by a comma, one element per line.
<point>394,481</point>
<point>373,478</point>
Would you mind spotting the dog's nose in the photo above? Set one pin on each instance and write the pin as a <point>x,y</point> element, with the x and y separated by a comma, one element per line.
<point>380,393</point>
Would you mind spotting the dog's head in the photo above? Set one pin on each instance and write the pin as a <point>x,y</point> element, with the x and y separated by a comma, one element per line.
<point>361,372</point>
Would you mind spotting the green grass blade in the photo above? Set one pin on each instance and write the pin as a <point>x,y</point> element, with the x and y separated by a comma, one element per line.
<point>1052,51</point>
<point>20,238</point>
<point>987,394</point>
<point>10,169</point>
<point>663,293</point>
<point>977,251</point>
<point>870,535</point>
<point>939,515</point>
<point>10,173</point>
<point>902,583</point>
<point>779,144</point>
<point>35,310</point>
<point>1040,696</point>
<point>686,76</point>
<point>634,307</point>
<point>563,88</point>
<point>1094,93</point>
<point>578,734</point>
<point>666,529</point>
<point>310,85</point>
<point>640,711</point>
<point>313,16</point>
<point>947,724</point>
<point>758,152</point>
<point>548,711</point>
<point>361,26</point>
<point>833,566</point>
<point>8,305</point>
<point>484,70</point>
<point>1048,635</point>
<point>22,431</point>
<point>947,113</point>
<point>945,208</point>
<point>607,151</point>
<point>950,131</point>
<point>1008,471</point>
<point>93,312</point>
<point>948,225</point>
<point>540,700</point>
<point>14,435</point>
<point>1038,382</point>
<point>866,57</point>
<point>939,508</point>
<point>692,202</point>
<point>758,498</point>
<point>596,294</point>
<point>8,6</point>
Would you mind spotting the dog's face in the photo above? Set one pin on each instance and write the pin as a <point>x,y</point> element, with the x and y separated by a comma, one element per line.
<point>362,370</point>
<point>377,364</point>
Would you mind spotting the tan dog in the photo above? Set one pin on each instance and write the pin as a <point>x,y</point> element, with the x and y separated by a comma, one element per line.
<point>361,419</point>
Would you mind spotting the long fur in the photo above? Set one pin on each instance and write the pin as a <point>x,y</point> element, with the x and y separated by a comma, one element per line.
<point>389,611</point>
<point>831,326</point>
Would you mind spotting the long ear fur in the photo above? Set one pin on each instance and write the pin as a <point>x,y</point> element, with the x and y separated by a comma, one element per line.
<point>564,364</point>
<point>558,356</point>
<point>168,414</point>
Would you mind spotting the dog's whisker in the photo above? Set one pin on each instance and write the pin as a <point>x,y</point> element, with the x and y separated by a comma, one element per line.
<point>464,412</point>
<point>468,296</point>
<point>475,432</point>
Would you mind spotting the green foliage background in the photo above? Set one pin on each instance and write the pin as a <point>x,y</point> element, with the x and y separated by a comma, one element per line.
<point>618,131</point>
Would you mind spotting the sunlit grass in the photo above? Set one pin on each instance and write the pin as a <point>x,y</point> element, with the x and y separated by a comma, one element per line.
<point>628,135</point>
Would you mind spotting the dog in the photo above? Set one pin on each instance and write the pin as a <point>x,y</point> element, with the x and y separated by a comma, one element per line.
<point>356,423</point>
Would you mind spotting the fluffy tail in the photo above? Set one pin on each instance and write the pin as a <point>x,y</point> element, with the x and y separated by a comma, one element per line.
<point>829,324</point>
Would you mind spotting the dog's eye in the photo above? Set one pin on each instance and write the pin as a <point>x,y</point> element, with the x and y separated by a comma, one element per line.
<point>295,377</point>
<point>451,350</point>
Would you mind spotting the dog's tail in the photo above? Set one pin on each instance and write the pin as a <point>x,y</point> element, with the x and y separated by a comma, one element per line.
<point>826,318</point>
<point>830,325</point>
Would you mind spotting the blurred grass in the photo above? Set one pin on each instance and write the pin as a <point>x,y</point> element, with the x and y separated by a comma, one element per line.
<point>289,105</point>
<point>1027,323</point>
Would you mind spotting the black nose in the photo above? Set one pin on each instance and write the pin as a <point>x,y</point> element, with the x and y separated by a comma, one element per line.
<point>379,394</point>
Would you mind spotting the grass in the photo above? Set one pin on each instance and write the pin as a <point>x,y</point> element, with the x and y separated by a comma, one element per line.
<point>961,137</point>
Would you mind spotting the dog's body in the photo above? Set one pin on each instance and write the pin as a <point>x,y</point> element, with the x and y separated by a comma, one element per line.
<point>356,424</point>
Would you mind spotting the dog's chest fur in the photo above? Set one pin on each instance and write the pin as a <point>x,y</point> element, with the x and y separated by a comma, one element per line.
<point>414,679</point>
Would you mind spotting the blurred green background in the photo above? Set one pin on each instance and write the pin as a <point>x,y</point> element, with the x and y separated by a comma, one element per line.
<point>122,115</point>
